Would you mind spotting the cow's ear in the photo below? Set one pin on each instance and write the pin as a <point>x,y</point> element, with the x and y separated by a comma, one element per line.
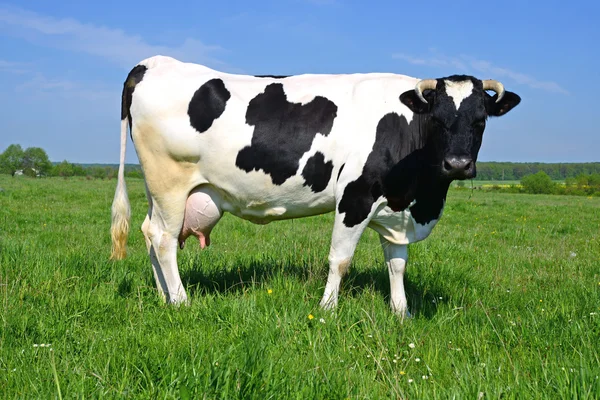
<point>509,101</point>
<point>415,104</point>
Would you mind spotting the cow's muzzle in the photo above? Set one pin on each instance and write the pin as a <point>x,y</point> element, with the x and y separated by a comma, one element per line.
<point>458,167</point>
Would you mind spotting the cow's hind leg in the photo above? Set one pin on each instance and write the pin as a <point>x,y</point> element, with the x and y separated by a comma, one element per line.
<point>146,232</point>
<point>396,257</point>
<point>162,231</point>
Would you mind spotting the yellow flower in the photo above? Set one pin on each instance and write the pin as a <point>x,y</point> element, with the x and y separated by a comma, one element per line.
<point>402,373</point>
<point>270,291</point>
<point>310,316</point>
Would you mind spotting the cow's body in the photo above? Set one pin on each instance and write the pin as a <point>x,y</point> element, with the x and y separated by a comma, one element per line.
<point>265,149</point>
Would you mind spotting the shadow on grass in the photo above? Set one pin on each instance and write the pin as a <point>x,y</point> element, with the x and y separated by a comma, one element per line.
<point>240,278</point>
<point>423,299</point>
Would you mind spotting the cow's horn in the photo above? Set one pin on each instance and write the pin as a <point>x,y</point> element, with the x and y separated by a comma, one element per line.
<point>490,84</point>
<point>424,85</point>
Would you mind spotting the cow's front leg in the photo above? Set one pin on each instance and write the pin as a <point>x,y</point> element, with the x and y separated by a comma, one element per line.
<point>396,257</point>
<point>343,243</point>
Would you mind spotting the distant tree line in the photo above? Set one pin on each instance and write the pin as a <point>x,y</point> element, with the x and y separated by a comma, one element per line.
<point>542,183</point>
<point>34,162</point>
<point>508,171</point>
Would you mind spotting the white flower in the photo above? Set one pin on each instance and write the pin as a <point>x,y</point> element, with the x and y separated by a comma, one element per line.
<point>425,377</point>
<point>322,320</point>
<point>411,345</point>
<point>410,380</point>
<point>417,360</point>
<point>573,254</point>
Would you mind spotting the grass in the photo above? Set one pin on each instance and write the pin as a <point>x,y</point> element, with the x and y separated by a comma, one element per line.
<point>505,296</point>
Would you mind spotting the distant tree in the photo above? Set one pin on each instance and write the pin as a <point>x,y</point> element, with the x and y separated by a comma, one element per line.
<point>110,172</point>
<point>98,172</point>
<point>134,173</point>
<point>36,162</point>
<point>65,168</point>
<point>594,181</point>
<point>78,170</point>
<point>11,160</point>
<point>538,183</point>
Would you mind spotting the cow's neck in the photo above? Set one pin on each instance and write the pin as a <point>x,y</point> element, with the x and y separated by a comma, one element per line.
<point>416,177</point>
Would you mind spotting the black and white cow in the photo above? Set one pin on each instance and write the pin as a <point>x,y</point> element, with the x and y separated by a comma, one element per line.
<point>378,149</point>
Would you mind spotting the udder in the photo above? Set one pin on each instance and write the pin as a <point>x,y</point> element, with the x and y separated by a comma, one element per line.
<point>202,212</point>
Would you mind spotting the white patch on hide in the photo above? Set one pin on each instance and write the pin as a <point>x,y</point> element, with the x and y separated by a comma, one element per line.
<point>458,91</point>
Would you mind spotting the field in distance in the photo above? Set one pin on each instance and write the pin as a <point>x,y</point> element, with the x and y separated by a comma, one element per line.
<point>505,296</point>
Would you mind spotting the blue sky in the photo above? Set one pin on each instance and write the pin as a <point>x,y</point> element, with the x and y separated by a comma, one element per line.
<point>62,64</point>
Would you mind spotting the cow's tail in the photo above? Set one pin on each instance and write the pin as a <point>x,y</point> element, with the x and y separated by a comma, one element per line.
<point>121,211</point>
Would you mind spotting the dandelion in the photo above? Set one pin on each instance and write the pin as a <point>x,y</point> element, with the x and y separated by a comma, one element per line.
<point>411,345</point>
<point>402,373</point>
<point>540,300</point>
<point>270,291</point>
<point>310,316</point>
<point>417,360</point>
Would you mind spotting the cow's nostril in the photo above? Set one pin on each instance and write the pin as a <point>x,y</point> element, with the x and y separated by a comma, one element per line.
<point>447,166</point>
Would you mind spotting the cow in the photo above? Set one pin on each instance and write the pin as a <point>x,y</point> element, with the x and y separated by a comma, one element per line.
<point>378,149</point>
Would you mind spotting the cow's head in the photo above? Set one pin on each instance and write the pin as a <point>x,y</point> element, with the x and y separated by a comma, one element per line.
<point>457,108</point>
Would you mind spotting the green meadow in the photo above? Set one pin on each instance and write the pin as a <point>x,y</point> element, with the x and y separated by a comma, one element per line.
<point>505,297</point>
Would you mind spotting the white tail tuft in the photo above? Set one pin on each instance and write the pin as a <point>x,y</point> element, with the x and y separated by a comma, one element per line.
<point>121,211</point>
